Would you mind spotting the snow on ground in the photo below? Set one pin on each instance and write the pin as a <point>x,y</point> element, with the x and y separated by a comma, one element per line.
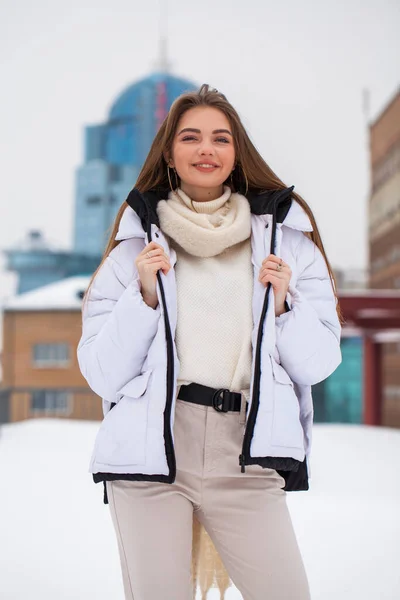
<point>58,543</point>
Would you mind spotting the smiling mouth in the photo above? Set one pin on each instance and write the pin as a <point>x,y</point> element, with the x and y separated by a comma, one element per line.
<point>205,165</point>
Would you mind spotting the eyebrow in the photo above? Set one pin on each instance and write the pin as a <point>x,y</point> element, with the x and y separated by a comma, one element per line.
<point>198,130</point>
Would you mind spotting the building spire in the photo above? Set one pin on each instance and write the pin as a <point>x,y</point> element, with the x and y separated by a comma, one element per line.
<point>163,65</point>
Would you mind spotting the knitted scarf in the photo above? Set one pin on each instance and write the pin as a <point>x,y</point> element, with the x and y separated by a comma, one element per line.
<point>205,228</point>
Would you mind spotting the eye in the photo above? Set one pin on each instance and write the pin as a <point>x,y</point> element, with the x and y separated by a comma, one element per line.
<point>188,137</point>
<point>223,140</point>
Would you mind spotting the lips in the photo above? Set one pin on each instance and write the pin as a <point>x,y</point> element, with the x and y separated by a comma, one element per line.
<point>205,167</point>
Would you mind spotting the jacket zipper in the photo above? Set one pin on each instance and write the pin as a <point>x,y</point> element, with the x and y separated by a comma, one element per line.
<point>257,369</point>
<point>256,386</point>
<point>170,452</point>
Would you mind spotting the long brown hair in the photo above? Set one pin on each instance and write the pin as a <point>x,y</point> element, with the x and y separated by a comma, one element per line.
<point>252,166</point>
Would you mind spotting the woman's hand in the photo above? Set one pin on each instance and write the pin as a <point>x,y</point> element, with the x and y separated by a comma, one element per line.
<point>148,262</point>
<point>274,270</point>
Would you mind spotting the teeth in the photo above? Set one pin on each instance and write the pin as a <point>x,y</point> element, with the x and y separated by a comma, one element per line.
<point>206,166</point>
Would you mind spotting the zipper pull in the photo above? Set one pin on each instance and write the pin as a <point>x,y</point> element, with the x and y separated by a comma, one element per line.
<point>241,462</point>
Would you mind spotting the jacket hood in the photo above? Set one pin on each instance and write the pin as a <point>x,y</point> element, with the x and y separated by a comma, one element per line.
<point>135,222</point>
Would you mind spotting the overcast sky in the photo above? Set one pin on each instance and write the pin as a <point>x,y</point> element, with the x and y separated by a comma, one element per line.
<point>294,70</point>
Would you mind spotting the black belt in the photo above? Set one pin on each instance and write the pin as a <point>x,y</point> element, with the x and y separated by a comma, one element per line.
<point>221,399</point>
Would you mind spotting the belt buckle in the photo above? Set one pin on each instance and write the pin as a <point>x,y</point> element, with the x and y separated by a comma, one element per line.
<point>225,400</point>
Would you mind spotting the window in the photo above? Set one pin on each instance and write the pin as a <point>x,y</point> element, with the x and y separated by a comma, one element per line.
<point>392,391</point>
<point>386,167</point>
<point>93,200</point>
<point>114,173</point>
<point>51,401</point>
<point>50,355</point>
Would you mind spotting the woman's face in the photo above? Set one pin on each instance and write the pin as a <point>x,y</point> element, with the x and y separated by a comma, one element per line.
<point>203,152</point>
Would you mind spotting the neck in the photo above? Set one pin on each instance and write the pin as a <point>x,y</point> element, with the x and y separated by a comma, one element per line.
<point>202,194</point>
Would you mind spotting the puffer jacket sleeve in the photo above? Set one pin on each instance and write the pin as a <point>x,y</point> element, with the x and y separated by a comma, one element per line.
<point>308,335</point>
<point>117,330</point>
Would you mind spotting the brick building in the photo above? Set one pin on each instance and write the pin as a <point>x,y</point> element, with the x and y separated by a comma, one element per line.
<point>384,236</point>
<point>41,376</point>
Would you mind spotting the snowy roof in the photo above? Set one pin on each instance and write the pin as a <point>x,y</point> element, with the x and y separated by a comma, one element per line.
<point>35,241</point>
<point>62,295</point>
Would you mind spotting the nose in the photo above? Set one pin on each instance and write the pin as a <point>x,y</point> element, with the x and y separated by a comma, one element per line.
<point>206,148</point>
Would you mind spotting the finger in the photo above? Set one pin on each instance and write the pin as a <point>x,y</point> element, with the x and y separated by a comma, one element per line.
<point>275,281</point>
<point>151,247</point>
<point>157,252</point>
<point>156,262</point>
<point>154,244</point>
<point>280,274</point>
<point>152,257</point>
<point>268,279</point>
<point>153,267</point>
<point>275,276</point>
<point>162,266</point>
<point>274,259</point>
<point>273,265</point>
<point>156,259</point>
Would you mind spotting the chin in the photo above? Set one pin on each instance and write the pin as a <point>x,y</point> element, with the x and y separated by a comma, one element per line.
<point>207,182</point>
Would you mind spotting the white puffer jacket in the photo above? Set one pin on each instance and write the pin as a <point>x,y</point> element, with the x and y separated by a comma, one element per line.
<point>128,355</point>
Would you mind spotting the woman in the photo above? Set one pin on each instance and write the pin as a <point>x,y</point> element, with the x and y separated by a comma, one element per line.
<point>211,315</point>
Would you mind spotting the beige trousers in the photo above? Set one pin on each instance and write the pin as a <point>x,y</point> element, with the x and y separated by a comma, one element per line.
<point>245,515</point>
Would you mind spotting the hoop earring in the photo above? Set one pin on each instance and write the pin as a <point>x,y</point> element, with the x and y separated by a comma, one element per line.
<point>169,178</point>
<point>176,178</point>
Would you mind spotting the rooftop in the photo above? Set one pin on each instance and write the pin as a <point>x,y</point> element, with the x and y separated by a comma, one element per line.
<point>66,294</point>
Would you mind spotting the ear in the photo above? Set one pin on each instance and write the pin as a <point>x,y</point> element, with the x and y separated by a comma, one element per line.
<point>168,161</point>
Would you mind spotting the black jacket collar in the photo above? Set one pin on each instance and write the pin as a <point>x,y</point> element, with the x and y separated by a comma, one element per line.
<point>261,203</point>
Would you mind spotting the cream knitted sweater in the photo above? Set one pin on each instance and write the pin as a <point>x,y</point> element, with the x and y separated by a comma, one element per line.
<point>214,276</point>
